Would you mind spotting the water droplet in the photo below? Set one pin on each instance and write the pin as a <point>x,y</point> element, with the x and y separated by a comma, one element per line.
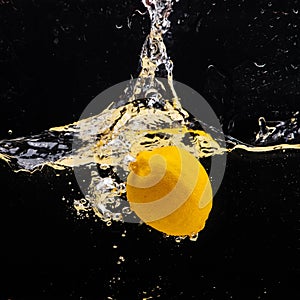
<point>121,259</point>
<point>178,239</point>
<point>259,65</point>
<point>262,125</point>
<point>294,67</point>
<point>194,237</point>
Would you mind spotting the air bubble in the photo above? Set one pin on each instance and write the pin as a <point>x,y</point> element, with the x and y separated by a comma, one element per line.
<point>126,210</point>
<point>117,217</point>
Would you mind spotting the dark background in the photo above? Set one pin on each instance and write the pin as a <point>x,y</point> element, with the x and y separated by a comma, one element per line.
<point>55,56</point>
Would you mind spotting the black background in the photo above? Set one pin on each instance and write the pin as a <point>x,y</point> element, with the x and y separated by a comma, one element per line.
<point>55,56</point>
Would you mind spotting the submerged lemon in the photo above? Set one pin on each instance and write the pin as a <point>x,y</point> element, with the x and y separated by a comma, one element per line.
<point>170,191</point>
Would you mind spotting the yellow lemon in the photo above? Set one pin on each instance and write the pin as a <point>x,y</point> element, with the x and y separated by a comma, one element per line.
<point>170,191</point>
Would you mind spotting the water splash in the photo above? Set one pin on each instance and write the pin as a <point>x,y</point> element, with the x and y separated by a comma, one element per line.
<point>275,132</point>
<point>147,115</point>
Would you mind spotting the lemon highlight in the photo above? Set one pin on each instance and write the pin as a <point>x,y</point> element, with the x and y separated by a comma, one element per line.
<point>170,191</point>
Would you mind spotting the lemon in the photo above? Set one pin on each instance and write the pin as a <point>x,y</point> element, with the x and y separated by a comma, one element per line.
<point>170,191</point>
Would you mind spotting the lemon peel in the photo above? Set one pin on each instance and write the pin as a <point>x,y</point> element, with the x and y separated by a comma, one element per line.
<point>170,191</point>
